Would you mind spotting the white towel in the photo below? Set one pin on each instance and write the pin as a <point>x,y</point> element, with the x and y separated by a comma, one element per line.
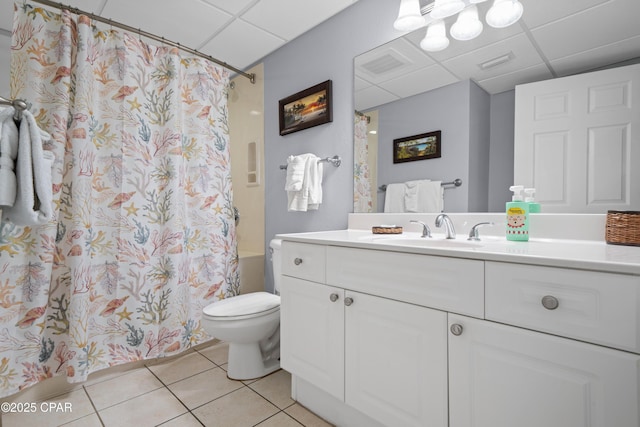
<point>430,196</point>
<point>295,172</point>
<point>411,192</point>
<point>33,204</point>
<point>394,198</point>
<point>310,194</point>
<point>8,154</point>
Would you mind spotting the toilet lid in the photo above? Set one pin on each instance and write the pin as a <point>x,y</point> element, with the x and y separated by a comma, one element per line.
<point>242,305</point>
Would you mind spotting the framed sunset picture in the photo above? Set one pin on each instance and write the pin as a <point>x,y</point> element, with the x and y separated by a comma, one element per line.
<point>305,109</point>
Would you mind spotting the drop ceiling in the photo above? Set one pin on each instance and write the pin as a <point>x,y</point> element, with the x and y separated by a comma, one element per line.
<point>238,32</point>
<point>553,39</point>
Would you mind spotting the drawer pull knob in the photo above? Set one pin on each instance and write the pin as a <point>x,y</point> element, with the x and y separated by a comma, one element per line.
<point>348,301</point>
<point>456,329</point>
<point>297,261</point>
<point>549,302</point>
<point>333,297</point>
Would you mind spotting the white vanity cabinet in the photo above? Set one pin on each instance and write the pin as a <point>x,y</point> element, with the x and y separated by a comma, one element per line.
<point>411,339</point>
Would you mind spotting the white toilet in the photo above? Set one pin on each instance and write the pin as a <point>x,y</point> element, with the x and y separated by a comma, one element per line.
<point>250,323</point>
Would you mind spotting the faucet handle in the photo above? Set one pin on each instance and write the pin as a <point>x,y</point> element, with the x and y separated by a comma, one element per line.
<point>426,231</point>
<point>474,233</point>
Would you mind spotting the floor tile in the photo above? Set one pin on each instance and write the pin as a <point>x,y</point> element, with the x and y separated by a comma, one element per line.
<point>204,387</point>
<point>276,388</point>
<point>280,419</point>
<point>186,420</point>
<point>52,412</point>
<point>123,387</point>
<point>88,421</point>
<point>305,416</point>
<point>241,408</point>
<point>217,353</point>
<point>150,409</point>
<point>179,368</point>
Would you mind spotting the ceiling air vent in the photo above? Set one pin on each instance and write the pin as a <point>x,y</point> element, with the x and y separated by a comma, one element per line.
<point>383,64</point>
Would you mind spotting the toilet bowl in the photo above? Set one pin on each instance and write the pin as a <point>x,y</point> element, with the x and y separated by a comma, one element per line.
<point>250,324</point>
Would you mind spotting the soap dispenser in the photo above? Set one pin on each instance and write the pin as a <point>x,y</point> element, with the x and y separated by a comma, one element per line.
<point>534,207</point>
<point>517,216</point>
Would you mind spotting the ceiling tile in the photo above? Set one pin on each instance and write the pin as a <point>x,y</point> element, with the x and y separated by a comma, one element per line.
<point>290,18</point>
<point>598,26</point>
<point>188,22</point>
<point>539,12</point>
<point>241,44</point>
<point>598,57</point>
<point>359,84</point>
<point>231,6</point>
<point>509,81</point>
<point>419,81</point>
<point>467,66</point>
<point>371,97</point>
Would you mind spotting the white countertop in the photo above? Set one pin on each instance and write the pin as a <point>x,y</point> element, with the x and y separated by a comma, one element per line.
<point>581,254</point>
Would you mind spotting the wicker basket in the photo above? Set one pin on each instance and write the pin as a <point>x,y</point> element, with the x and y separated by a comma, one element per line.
<point>623,228</point>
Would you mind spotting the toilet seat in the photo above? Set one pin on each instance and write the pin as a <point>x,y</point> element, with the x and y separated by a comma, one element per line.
<point>244,306</point>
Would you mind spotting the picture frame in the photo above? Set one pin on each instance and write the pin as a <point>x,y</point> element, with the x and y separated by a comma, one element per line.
<point>307,108</point>
<point>417,147</point>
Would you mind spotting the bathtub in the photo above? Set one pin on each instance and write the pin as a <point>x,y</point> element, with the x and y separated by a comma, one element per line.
<point>251,271</point>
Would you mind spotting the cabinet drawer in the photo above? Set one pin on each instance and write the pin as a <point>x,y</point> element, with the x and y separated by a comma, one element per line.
<point>449,284</point>
<point>592,306</point>
<point>304,260</point>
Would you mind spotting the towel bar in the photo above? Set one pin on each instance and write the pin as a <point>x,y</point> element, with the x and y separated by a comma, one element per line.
<point>457,182</point>
<point>335,161</point>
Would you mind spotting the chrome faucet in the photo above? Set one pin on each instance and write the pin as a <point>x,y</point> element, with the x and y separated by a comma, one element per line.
<point>448,225</point>
<point>426,231</point>
<point>473,233</point>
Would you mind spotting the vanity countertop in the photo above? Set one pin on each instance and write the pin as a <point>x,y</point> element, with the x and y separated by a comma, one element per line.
<point>580,254</point>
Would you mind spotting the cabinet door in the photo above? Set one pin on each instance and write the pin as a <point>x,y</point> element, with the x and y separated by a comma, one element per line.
<point>503,376</point>
<point>396,361</point>
<point>312,333</point>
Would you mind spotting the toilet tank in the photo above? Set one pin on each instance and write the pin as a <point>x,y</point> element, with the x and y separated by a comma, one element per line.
<point>275,247</point>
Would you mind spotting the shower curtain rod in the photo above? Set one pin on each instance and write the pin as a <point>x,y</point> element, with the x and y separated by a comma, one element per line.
<point>75,10</point>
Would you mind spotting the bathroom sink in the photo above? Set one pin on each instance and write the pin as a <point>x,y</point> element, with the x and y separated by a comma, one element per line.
<point>434,243</point>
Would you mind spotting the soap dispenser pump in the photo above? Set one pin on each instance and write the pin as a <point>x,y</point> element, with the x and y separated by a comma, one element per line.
<point>517,216</point>
<point>534,207</point>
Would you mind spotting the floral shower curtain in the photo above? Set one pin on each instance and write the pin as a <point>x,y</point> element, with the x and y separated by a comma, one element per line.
<point>362,202</point>
<point>143,235</point>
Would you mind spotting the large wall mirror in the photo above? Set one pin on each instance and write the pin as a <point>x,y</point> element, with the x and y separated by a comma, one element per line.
<point>467,92</point>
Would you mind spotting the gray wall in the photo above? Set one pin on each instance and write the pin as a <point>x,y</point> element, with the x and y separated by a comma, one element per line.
<point>501,154</point>
<point>446,109</point>
<point>326,52</point>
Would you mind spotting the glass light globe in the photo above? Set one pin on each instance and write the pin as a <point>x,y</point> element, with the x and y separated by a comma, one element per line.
<point>436,37</point>
<point>467,26</point>
<point>409,16</point>
<point>504,13</point>
<point>445,8</point>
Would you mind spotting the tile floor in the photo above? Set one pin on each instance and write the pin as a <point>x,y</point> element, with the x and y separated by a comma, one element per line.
<point>187,390</point>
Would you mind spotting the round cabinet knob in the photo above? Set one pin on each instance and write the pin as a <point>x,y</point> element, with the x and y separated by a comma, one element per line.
<point>550,302</point>
<point>333,297</point>
<point>297,261</point>
<point>348,301</point>
<point>456,329</point>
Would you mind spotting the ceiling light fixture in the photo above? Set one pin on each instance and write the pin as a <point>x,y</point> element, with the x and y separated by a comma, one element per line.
<point>504,13</point>
<point>445,8</point>
<point>436,38</point>
<point>409,17</point>
<point>467,27</point>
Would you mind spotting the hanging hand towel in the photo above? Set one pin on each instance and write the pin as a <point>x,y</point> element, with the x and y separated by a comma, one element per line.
<point>310,194</point>
<point>8,154</point>
<point>394,198</point>
<point>295,172</point>
<point>430,196</point>
<point>411,192</point>
<point>33,204</point>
